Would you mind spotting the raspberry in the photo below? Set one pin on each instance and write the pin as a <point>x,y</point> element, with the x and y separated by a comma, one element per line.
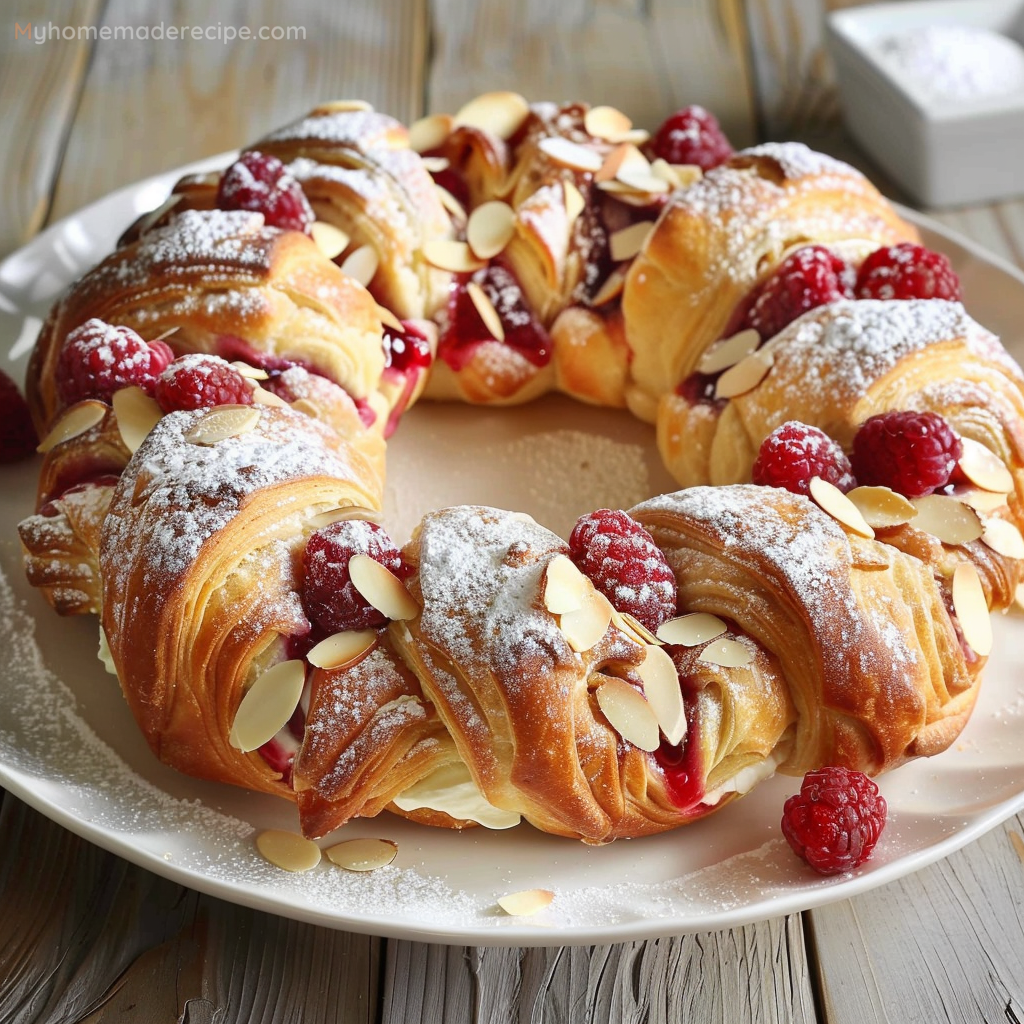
<point>907,271</point>
<point>406,350</point>
<point>806,279</point>
<point>835,820</point>
<point>260,182</point>
<point>200,382</point>
<point>98,359</point>
<point>17,434</point>
<point>330,597</point>
<point>793,453</point>
<point>913,453</point>
<point>692,136</point>
<point>625,564</point>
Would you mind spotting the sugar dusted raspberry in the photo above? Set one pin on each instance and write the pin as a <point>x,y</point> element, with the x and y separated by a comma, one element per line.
<point>406,350</point>
<point>794,453</point>
<point>692,136</point>
<point>835,820</point>
<point>17,435</point>
<point>98,359</point>
<point>200,381</point>
<point>625,564</point>
<point>907,271</point>
<point>809,277</point>
<point>260,182</point>
<point>331,599</point>
<point>913,453</point>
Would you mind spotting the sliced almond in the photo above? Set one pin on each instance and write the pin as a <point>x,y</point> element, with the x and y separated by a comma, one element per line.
<point>484,306</point>
<point>382,588</point>
<point>453,256</point>
<point>330,240</point>
<point>623,158</point>
<point>612,288</point>
<point>727,653</point>
<point>137,414</point>
<point>490,228</point>
<point>635,628</point>
<point>565,587</point>
<point>430,132</point>
<point>584,627</point>
<point>435,164</point>
<point>984,468</point>
<point>249,372</point>
<point>729,351</point>
<point>575,204</point>
<point>526,903</point>
<point>341,649</point>
<point>451,204</point>
<point>288,850</point>
<point>344,106</point>
<point>571,154</point>
<point>261,396</point>
<point>362,854</point>
<point>979,500</point>
<point>1003,538</point>
<point>500,113</point>
<point>1018,596</point>
<point>640,181</point>
<point>342,515</point>
<point>388,318</point>
<point>838,506</point>
<point>745,375</point>
<point>635,136</point>
<point>677,175</point>
<point>629,714</point>
<point>307,407</point>
<point>949,520</point>
<point>663,693</point>
<point>267,705</point>
<point>627,242</point>
<point>221,423</point>
<point>361,264</point>
<point>75,421</point>
<point>882,507</point>
<point>606,122</point>
<point>691,630</point>
<point>971,608</point>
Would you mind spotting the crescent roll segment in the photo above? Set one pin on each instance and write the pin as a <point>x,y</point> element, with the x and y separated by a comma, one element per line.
<point>721,236</point>
<point>859,629</point>
<point>214,275</point>
<point>201,560</point>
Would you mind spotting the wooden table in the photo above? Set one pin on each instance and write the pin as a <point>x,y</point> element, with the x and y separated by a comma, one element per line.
<point>85,936</point>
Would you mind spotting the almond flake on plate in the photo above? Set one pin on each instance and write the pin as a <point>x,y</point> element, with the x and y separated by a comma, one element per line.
<point>77,420</point>
<point>839,506</point>
<point>361,264</point>
<point>984,468</point>
<point>627,242</point>
<point>951,521</point>
<point>565,587</point>
<point>500,113</point>
<point>221,423</point>
<point>342,648</point>
<point>881,506</point>
<point>288,850</point>
<point>745,375</point>
<point>430,132</point>
<point>362,854</point>
<point>629,714</point>
<point>526,903</point>
<point>692,629</point>
<point>450,255</point>
<point>606,122</point>
<point>583,627</point>
<point>490,228</point>
<point>1003,538</point>
<point>663,693</point>
<point>727,653</point>
<point>971,608</point>
<point>484,306</point>
<point>382,588</point>
<point>137,414</point>
<point>729,351</point>
<point>570,154</point>
<point>331,241</point>
<point>268,704</point>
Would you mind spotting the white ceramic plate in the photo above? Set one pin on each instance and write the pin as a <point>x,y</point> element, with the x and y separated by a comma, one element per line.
<point>69,748</point>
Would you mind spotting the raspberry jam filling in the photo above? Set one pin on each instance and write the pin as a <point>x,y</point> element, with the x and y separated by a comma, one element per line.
<point>279,752</point>
<point>681,763</point>
<point>699,388</point>
<point>82,475</point>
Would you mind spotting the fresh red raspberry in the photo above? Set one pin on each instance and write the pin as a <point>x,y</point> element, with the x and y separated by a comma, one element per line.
<point>98,359</point>
<point>692,136</point>
<point>406,350</point>
<point>835,820</point>
<point>810,277</point>
<point>17,434</point>
<point>913,453</point>
<point>331,599</point>
<point>794,453</point>
<point>260,182</point>
<point>625,564</point>
<point>200,381</point>
<point>907,271</point>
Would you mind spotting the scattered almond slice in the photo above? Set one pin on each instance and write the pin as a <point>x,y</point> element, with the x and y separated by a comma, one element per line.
<point>435,164</point>
<point>1003,538</point>
<point>526,903</point>
<point>645,182</point>
<point>382,588</point>
<point>629,714</point>
<point>430,132</point>
<point>1018,596</point>
<point>971,608</point>
<point>221,423</point>
<point>331,241</point>
<point>453,256</point>
<point>949,520</point>
<point>137,414</point>
<point>575,204</point>
<point>984,468</point>
<point>267,705</point>
<point>565,587</point>
<point>606,122</point>
<point>500,113</point>
<point>342,515</point>
<point>388,319</point>
<point>342,649</point>
<point>288,850</point>
<point>623,158</point>
<point>490,228</point>
<point>729,351</point>
<point>612,288</point>
<point>361,264</point>
<point>362,854</point>
<point>307,408</point>
<point>635,136</point>
<point>583,627</point>
<point>261,396</point>
<point>677,175</point>
<point>838,506</point>
<point>75,421</point>
<point>451,204</point>
<point>634,627</point>
<point>627,242</point>
<point>691,630</point>
<point>341,106</point>
<point>249,372</point>
<point>882,507</point>
<point>745,375</point>
<point>663,693</point>
<point>979,500</point>
<point>485,308</point>
<point>727,653</point>
<point>571,154</point>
